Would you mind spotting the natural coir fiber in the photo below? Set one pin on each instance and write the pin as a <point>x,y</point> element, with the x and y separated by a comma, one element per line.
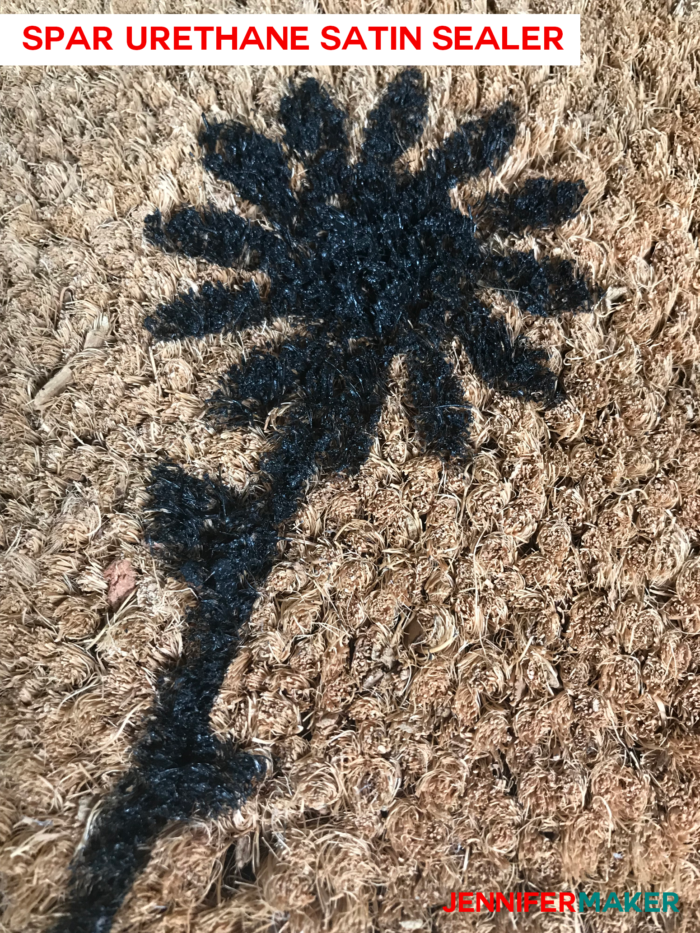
<point>350,489</point>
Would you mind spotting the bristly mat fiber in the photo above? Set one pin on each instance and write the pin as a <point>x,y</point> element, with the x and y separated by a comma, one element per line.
<point>369,262</point>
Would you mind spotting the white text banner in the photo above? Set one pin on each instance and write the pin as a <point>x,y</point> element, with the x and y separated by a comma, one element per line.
<point>290,39</point>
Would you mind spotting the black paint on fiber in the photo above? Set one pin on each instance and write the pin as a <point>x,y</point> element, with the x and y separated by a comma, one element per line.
<point>370,261</point>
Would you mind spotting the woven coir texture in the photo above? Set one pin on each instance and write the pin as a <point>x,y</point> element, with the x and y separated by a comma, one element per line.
<point>473,661</point>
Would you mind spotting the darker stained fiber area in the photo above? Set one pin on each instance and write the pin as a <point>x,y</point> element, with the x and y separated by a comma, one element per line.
<point>369,261</point>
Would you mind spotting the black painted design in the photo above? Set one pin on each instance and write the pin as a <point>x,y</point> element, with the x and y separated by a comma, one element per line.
<point>370,261</point>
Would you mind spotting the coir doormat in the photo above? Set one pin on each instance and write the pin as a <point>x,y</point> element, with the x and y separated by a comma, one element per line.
<point>349,472</point>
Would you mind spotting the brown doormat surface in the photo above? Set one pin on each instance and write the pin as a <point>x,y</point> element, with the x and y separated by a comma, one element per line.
<point>372,573</point>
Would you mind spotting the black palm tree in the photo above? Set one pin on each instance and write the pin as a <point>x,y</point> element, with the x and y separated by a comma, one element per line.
<point>369,261</point>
